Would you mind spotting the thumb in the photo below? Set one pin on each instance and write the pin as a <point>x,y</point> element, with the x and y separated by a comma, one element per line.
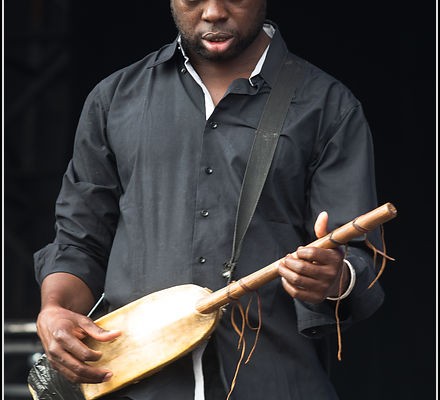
<point>321,224</point>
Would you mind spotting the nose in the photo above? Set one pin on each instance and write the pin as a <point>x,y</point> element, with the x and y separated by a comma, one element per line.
<point>214,10</point>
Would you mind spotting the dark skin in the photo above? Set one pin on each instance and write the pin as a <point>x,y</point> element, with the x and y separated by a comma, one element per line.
<point>62,325</point>
<point>224,40</point>
<point>311,274</point>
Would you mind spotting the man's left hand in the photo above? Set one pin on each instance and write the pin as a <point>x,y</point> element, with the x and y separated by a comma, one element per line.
<point>312,274</point>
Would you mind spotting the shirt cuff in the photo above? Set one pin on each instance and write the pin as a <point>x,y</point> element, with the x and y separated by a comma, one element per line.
<point>318,320</point>
<point>69,259</point>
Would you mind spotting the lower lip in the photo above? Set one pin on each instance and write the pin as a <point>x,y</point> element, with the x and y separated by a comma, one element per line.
<point>217,47</point>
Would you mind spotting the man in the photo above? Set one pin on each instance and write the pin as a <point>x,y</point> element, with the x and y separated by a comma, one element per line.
<point>150,196</point>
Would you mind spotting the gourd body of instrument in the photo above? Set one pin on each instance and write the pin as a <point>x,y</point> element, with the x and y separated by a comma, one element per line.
<point>156,330</point>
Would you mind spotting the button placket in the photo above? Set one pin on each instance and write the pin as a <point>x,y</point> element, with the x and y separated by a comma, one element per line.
<point>206,259</point>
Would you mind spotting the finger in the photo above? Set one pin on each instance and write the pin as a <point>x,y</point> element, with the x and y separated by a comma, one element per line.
<point>302,294</point>
<point>65,341</point>
<point>81,352</point>
<point>77,371</point>
<point>321,274</point>
<point>96,332</point>
<point>72,377</point>
<point>321,224</point>
<point>319,256</point>
<point>297,280</point>
<point>290,264</point>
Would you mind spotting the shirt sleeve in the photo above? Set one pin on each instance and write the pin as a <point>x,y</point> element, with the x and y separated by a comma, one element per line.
<point>343,184</point>
<point>87,206</point>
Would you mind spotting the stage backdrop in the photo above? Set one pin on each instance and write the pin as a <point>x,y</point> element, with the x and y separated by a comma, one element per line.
<point>56,51</point>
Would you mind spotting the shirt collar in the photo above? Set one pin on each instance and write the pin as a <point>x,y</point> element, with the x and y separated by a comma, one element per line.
<point>270,31</point>
<point>275,57</point>
<point>266,68</point>
<point>209,105</point>
<point>270,65</point>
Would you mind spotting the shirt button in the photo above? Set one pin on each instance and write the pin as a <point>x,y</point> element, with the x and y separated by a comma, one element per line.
<point>204,213</point>
<point>209,170</point>
<point>213,125</point>
<point>183,70</point>
<point>202,260</point>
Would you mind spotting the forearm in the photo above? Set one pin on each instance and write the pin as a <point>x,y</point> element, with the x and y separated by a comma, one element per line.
<point>68,291</point>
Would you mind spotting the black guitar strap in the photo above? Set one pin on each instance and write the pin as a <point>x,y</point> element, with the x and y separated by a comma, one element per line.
<point>288,80</point>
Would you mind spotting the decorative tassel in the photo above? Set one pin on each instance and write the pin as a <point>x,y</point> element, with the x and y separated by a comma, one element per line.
<point>241,331</point>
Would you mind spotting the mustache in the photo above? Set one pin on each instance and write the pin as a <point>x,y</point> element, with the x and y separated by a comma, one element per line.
<point>219,30</point>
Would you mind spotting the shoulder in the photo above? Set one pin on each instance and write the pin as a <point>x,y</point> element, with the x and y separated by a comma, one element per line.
<point>324,89</point>
<point>324,98</point>
<point>130,79</point>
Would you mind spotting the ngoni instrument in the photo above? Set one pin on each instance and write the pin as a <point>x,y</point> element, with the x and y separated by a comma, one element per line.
<point>161,327</point>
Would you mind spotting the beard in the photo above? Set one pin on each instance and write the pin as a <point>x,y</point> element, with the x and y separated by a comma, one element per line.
<point>192,42</point>
<point>195,45</point>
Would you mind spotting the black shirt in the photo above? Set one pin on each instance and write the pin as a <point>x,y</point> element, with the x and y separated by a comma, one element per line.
<point>149,201</point>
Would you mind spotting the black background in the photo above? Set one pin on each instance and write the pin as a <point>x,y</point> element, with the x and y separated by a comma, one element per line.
<point>384,51</point>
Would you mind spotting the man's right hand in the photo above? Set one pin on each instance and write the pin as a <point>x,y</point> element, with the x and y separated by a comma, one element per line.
<point>62,330</point>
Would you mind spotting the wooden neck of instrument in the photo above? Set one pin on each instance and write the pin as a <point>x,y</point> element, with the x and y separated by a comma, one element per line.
<point>358,227</point>
<point>236,289</point>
